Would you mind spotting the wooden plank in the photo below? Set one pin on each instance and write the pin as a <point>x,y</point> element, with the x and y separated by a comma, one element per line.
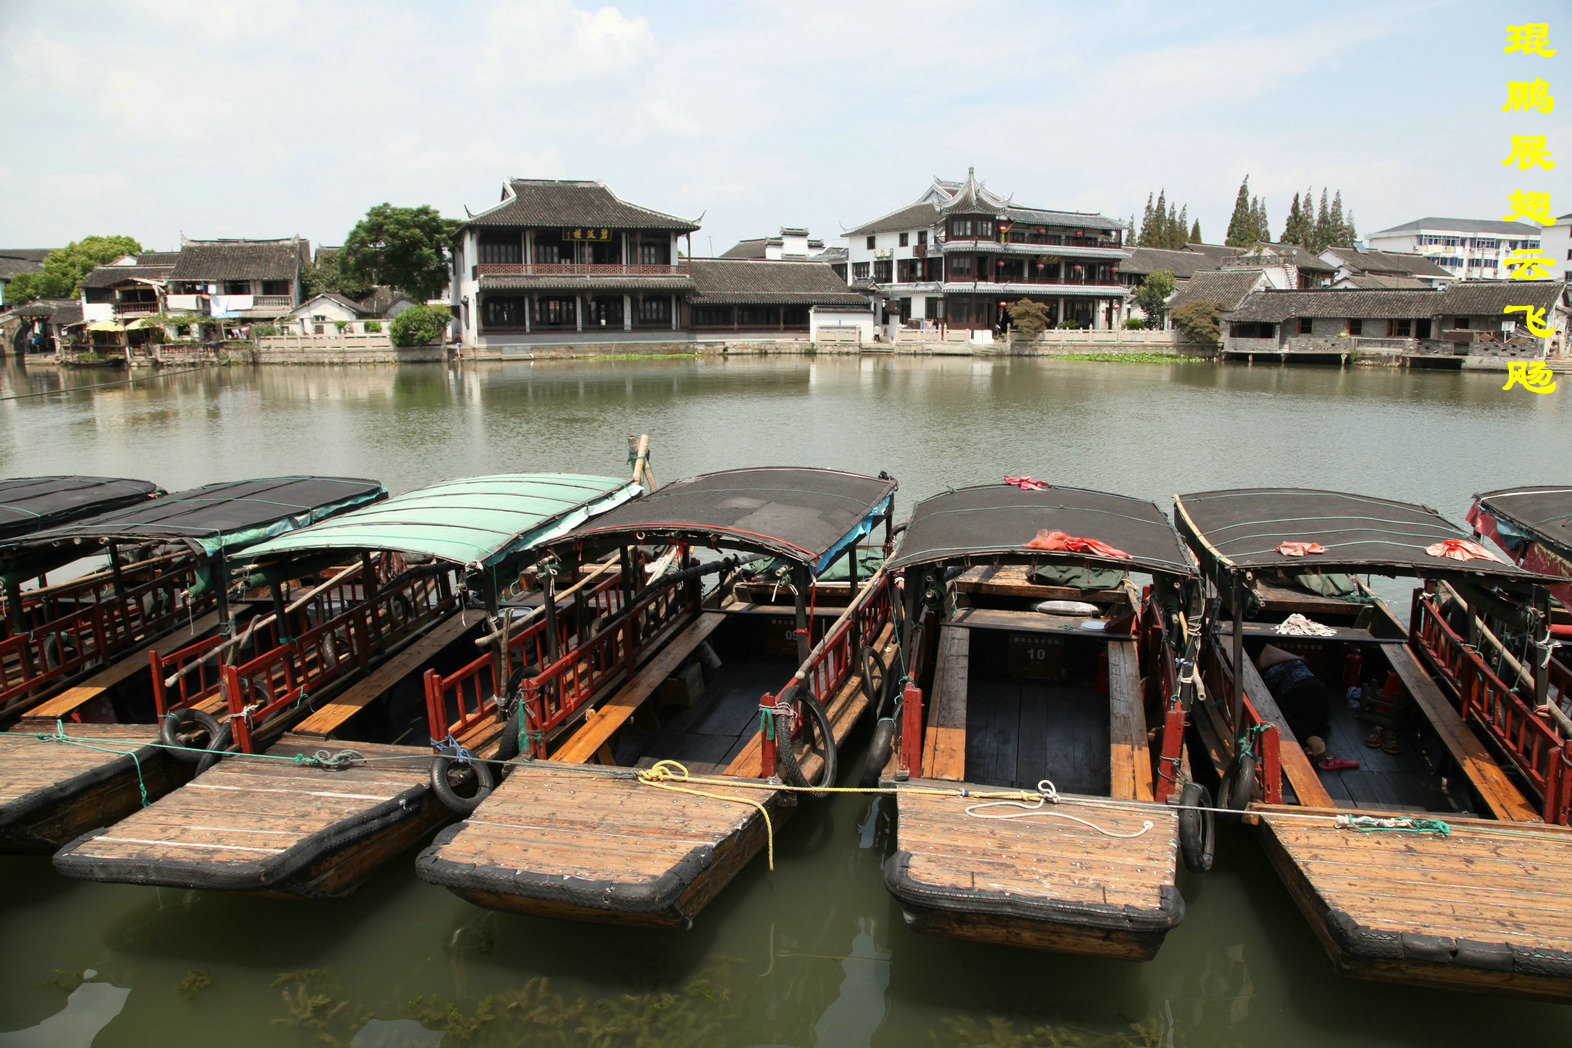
<point>124,667</point>
<point>1029,621</point>
<point>603,721</point>
<point>944,749</point>
<point>1014,580</point>
<point>1339,634</point>
<point>1504,799</point>
<point>1297,769</point>
<point>351,701</point>
<point>1130,758</point>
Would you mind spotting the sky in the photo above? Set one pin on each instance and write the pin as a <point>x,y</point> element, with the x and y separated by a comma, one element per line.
<point>222,118</point>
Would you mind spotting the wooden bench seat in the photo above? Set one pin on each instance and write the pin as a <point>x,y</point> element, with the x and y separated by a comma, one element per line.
<point>601,723</point>
<point>1030,622</point>
<point>944,741</point>
<point>1130,759</point>
<point>352,700</point>
<point>1297,769</point>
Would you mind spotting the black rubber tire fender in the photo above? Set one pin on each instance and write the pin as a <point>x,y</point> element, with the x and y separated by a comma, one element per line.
<point>786,756</point>
<point>1197,828</point>
<point>49,652</point>
<point>1237,788</point>
<point>485,782</point>
<point>218,749</point>
<point>171,724</point>
<point>868,662</point>
<point>880,746</point>
<point>508,743</point>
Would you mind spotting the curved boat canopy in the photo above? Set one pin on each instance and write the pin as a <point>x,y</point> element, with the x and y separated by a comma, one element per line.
<point>807,516</point>
<point>475,522</point>
<point>33,504</point>
<point>996,521</point>
<point>1241,530</point>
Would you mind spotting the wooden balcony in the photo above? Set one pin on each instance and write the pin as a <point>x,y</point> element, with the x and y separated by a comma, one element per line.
<point>581,269</point>
<point>135,309</point>
<point>270,301</point>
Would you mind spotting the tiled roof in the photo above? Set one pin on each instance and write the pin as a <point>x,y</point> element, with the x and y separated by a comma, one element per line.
<point>29,254</point>
<point>1462,225</point>
<point>60,311</point>
<point>915,216</point>
<point>586,285</point>
<point>203,260</point>
<point>1399,263</point>
<point>1218,253</point>
<point>157,258</point>
<point>380,299</point>
<point>108,276</point>
<point>1274,307</point>
<point>1293,254</point>
<point>747,248</point>
<point>16,261</point>
<point>1226,287</point>
<point>1379,280</point>
<point>1479,298</point>
<point>549,202</point>
<point>1182,264</point>
<point>727,282</point>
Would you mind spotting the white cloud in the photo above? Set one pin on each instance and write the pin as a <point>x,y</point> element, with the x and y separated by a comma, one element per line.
<point>656,116</point>
<point>553,41</point>
<point>225,21</point>
<point>40,56</point>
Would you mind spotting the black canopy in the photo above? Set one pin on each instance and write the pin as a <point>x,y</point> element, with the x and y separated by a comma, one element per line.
<point>1243,528</point>
<point>804,515</point>
<point>32,504</point>
<point>217,517</point>
<point>1541,511</point>
<point>994,520</point>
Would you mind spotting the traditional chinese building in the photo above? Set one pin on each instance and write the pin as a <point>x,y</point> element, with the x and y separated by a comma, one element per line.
<point>561,257</point>
<point>1467,248</point>
<point>960,253</point>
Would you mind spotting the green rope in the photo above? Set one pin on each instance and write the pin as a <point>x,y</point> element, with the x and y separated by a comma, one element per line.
<point>1371,824</point>
<point>767,724</point>
<point>329,761</point>
<point>59,735</point>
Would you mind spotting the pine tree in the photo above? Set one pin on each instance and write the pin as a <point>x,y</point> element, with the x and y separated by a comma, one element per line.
<point>1159,220</point>
<point>1324,234</point>
<point>1239,226</point>
<point>1169,227</point>
<point>1339,230</point>
<point>1264,227</point>
<point>1130,236</point>
<point>1353,230</point>
<point>1195,232</point>
<point>1181,227</point>
<point>1145,239</point>
<point>1291,226</point>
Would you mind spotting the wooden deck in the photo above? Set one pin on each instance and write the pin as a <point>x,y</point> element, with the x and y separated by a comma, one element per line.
<point>1042,881</point>
<point>270,825</point>
<point>1485,908</point>
<point>53,792</point>
<point>596,844</point>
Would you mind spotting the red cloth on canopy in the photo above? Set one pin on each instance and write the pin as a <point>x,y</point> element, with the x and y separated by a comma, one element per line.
<point>1299,549</point>
<point>1461,549</point>
<point>1058,540</point>
<point>1028,484</point>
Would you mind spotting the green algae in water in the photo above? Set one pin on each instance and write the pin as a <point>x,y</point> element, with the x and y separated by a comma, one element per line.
<point>64,981</point>
<point>194,983</point>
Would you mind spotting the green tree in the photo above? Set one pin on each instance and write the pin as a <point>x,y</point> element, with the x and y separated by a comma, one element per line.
<point>1195,231</point>
<point>1131,238</point>
<point>1340,228</point>
<point>327,274</point>
<point>1241,228</point>
<point>1263,225</point>
<point>1028,317</point>
<point>419,325</point>
<point>65,267</point>
<point>1323,227</point>
<point>1291,225</point>
<point>1353,231</point>
<point>403,247</point>
<point>1181,229</point>
<point>1152,293</point>
<point>1201,323</point>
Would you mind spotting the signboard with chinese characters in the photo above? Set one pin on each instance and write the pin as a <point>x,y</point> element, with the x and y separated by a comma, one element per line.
<point>586,234</point>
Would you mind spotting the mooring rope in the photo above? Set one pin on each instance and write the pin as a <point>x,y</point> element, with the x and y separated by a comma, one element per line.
<point>1047,794</point>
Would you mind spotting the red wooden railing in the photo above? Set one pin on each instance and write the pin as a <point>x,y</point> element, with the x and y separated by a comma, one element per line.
<point>1168,761</point>
<point>94,633</point>
<point>836,656</point>
<point>1531,740</point>
<point>457,702</point>
<point>277,684</point>
<point>40,606</point>
<point>1261,735</point>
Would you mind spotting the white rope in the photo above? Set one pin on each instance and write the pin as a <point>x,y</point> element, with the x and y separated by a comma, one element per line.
<point>1047,794</point>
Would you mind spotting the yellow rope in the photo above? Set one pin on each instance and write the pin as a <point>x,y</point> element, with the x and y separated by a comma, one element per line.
<point>663,774</point>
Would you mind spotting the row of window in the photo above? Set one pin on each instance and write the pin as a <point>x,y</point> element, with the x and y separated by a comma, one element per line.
<point>1478,243</point>
<point>1394,328</point>
<point>561,310</point>
<point>508,249</point>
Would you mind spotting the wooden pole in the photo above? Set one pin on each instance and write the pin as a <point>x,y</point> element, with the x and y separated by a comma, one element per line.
<point>804,580</point>
<point>1237,586</point>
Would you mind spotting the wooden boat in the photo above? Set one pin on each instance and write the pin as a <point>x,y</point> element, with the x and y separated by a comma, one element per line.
<point>1065,693</point>
<point>1433,862</point>
<point>1534,526</point>
<point>334,713</point>
<point>589,825</point>
<point>99,687</point>
<point>29,505</point>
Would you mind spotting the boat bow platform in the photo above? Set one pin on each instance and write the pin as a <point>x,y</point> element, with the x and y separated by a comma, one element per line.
<point>1046,881</point>
<point>558,840</point>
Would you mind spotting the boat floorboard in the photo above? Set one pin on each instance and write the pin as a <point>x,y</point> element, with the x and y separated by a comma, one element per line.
<point>254,824</point>
<point>1483,907</point>
<point>572,839</point>
<point>1046,879</point>
<point>29,764</point>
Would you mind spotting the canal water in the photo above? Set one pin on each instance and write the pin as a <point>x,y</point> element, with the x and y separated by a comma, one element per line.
<point>814,953</point>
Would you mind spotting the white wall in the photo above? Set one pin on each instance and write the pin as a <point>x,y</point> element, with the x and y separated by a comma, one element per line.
<point>1556,241</point>
<point>838,317</point>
